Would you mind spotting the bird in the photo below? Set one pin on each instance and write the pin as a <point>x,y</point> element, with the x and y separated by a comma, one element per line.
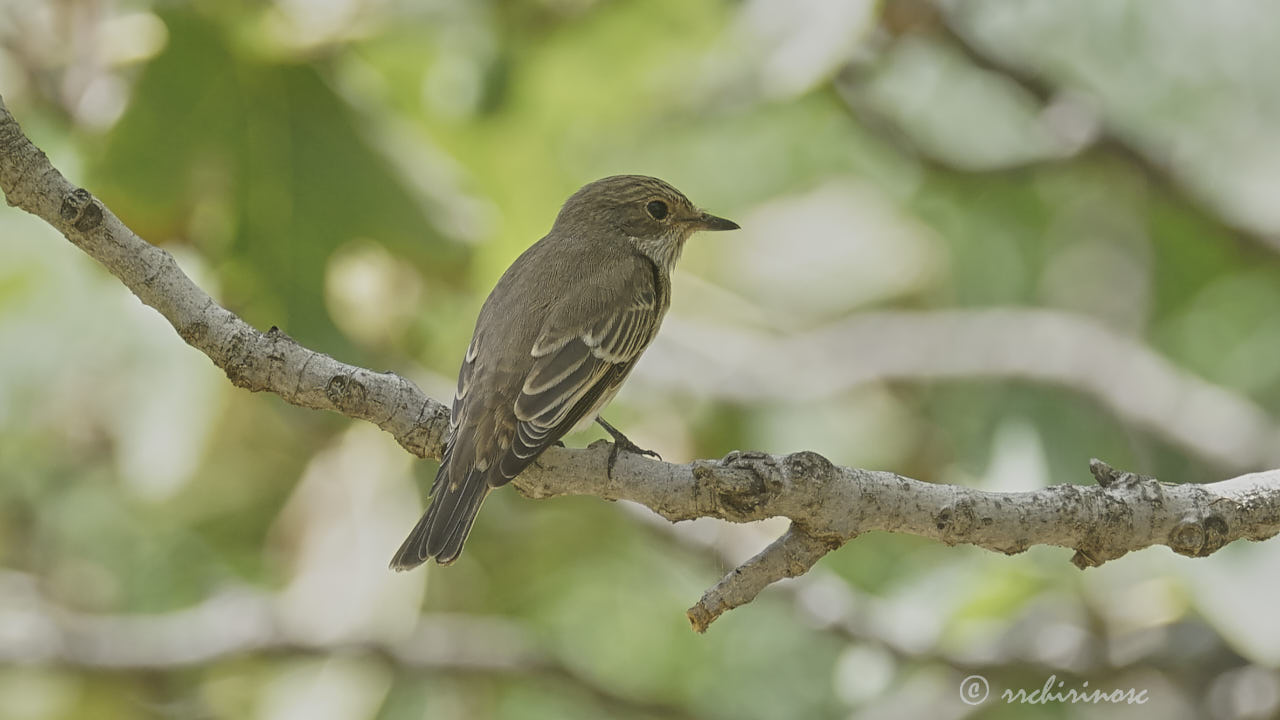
<point>553,343</point>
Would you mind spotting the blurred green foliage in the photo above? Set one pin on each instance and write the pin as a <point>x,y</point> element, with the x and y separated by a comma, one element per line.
<point>263,165</point>
<point>359,174</point>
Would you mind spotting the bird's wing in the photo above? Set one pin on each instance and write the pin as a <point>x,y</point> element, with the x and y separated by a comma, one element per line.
<point>465,375</point>
<point>585,350</point>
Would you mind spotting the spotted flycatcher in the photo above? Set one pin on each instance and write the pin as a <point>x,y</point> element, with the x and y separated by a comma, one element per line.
<point>554,341</point>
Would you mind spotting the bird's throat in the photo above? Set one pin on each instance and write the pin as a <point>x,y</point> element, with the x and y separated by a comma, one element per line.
<point>663,250</point>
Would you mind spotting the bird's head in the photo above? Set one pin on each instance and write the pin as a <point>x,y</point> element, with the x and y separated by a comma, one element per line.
<point>654,216</point>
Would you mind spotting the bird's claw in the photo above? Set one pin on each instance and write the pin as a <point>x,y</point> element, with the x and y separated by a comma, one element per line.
<point>621,443</point>
<point>625,445</point>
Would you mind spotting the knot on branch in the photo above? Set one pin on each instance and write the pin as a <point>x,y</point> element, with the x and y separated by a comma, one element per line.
<point>956,520</point>
<point>746,499</point>
<point>429,432</point>
<point>345,392</point>
<point>194,333</point>
<point>81,210</point>
<point>1085,558</point>
<point>1199,536</point>
<point>809,473</point>
<point>1108,476</point>
<point>241,360</point>
<point>809,466</point>
<point>276,336</point>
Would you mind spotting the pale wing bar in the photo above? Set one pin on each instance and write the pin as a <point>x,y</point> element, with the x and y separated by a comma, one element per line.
<point>572,367</point>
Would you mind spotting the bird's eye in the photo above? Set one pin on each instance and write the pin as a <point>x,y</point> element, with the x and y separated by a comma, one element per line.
<point>657,209</point>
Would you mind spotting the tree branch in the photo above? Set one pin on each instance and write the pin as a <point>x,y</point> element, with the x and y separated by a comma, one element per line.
<point>828,505</point>
<point>253,360</point>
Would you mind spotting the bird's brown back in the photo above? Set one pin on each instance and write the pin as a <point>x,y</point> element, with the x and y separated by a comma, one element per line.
<point>523,304</point>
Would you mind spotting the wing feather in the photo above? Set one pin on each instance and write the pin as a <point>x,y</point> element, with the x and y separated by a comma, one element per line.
<point>577,362</point>
<point>551,371</point>
<point>465,375</point>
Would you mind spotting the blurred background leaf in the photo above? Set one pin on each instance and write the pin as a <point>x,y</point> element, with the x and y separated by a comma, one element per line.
<point>360,173</point>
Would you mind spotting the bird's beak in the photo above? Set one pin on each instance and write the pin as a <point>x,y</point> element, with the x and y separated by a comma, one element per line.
<point>707,221</point>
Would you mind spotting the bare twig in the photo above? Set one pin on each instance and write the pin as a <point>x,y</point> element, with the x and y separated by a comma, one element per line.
<point>828,505</point>
<point>238,622</point>
<point>949,24</point>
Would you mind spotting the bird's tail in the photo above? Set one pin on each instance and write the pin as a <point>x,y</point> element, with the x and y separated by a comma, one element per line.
<point>445,526</point>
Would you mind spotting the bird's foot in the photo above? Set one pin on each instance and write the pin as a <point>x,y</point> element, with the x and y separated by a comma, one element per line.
<point>621,443</point>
